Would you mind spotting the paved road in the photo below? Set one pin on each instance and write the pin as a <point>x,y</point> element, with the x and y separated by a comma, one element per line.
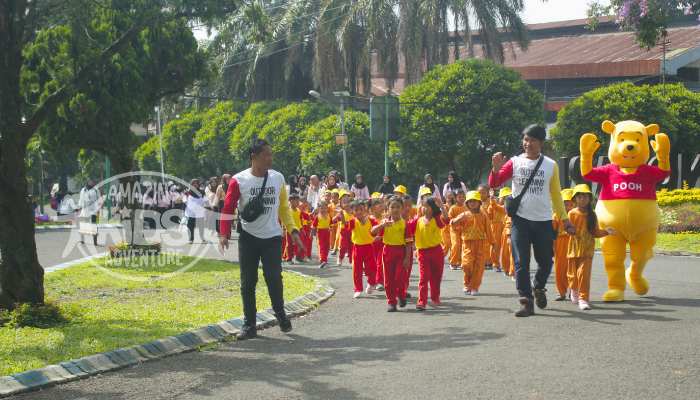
<point>646,348</point>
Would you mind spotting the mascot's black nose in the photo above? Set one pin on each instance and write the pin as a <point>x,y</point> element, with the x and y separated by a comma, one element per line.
<point>630,147</point>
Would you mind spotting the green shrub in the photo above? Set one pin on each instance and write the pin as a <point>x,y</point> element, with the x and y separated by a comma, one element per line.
<point>32,315</point>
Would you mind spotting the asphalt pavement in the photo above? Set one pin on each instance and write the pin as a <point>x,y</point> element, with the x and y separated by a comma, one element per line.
<point>469,348</point>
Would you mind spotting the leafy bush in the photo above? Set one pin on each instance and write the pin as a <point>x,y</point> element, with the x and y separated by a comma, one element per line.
<point>675,108</point>
<point>680,218</point>
<point>678,196</point>
<point>458,114</point>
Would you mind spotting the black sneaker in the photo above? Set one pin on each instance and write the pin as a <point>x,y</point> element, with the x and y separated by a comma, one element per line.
<point>402,303</point>
<point>541,298</point>
<point>246,333</point>
<point>391,308</point>
<point>286,325</point>
<point>408,295</point>
<point>323,265</point>
<point>526,308</point>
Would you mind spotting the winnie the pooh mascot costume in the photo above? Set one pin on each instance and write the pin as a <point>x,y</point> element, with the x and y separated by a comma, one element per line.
<point>627,201</point>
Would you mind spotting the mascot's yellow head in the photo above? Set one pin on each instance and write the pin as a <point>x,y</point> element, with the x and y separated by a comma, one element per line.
<point>629,142</point>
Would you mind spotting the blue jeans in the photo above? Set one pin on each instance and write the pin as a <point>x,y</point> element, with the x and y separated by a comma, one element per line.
<point>540,236</point>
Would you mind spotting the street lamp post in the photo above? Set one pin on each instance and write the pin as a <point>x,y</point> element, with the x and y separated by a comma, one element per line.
<point>342,95</point>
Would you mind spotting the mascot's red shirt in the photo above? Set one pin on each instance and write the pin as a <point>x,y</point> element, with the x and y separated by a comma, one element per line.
<point>617,185</point>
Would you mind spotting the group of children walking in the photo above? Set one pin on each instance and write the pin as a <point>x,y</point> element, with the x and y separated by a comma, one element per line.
<point>380,237</point>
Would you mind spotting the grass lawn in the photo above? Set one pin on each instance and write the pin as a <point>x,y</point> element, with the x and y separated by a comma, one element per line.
<point>106,313</point>
<point>688,242</point>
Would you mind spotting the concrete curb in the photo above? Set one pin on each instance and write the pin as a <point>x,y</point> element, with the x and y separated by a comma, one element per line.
<point>54,228</point>
<point>188,341</point>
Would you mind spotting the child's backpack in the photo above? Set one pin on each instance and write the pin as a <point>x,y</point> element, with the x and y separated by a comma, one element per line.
<point>54,203</point>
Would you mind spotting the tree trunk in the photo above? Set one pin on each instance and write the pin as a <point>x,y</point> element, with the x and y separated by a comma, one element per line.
<point>21,276</point>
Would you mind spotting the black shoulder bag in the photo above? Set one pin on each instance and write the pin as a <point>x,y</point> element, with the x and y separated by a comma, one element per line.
<point>255,206</point>
<point>513,203</point>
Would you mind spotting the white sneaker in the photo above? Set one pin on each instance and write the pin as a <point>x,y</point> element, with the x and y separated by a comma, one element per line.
<point>475,292</point>
<point>379,287</point>
<point>357,295</point>
<point>467,291</point>
<point>574,296</point>
<point>369,289</point>
<point>583,305</point>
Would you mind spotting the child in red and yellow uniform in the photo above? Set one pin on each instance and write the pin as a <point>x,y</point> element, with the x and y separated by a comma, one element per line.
<point>306,236</point>
<point>425,230</point>
<point>363,262</point>
<point>408,214</point>
<point>377,210</point>
<point>343,214</point>
<point>506,257</point>
<point>476,237</point>
<point>498,216</point>
<point>456,231</point>
<point>290,250</point>
<point>396,252</point>
<point>333,207</point>
<point>561,246</point>
<point>582,245</point>
<point>321,229</point>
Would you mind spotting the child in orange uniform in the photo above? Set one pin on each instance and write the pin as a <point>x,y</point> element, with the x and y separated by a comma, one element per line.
<point>582,245</point>
<point>290,250</point>
<point>446,239</point>
<point>506,257</point>
<point>476,238</point>
<point>456,231</point>
<point>321,229</point>
<point>485,193</point>
<point>425,230</point>
<point>498,217</point>
<point>342,215</point>
<point>396,252</point>
<point>561,246</point>
<point>363,262</point>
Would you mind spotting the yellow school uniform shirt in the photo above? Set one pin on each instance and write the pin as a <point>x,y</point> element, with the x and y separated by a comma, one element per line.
<point>361,234</point>
<point>296,215</point>
<point>323,222</point>
<point>427,234</point>
<point>395,235</point>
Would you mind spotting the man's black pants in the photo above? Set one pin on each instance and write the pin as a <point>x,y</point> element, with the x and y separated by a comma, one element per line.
<point>538,235</point>
<point>252,250</point>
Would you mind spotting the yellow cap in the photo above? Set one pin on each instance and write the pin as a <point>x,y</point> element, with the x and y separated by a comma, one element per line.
<point>567,194</point>
<point>473,195</point>
<point>504,192</point>
<point>342,193</point>
<point>424,191</point>
<point>582,188</point>
<point>336,191</point>
<point>376,195</point>
<point>400,189</point>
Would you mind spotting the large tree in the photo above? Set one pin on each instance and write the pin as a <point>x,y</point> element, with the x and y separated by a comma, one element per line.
<point>460,113</point>
<point>86,39</point>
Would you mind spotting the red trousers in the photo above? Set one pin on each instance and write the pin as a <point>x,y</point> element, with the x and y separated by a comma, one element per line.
<point>407,276</point>
<point>290,248</point>
<point>378,247</point>
<point>345,245</point>
<point>324,243</point>
<point>307,240</point>
<point>431,263</point>
<point>363,263</point>
<point>394,272</point>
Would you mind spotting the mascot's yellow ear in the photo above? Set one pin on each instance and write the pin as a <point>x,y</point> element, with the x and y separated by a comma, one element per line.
<point>608,127</point>
<point>652,129</point>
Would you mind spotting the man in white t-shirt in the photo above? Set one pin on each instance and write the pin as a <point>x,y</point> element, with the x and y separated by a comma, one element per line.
<point>260,240</point>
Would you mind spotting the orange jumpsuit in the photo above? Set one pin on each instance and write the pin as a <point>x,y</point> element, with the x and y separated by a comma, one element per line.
<point>498,215</point>
<point>456,235</point>
<point>580,254</point>
<point>476,239</point>
<point>561,262</point>
<point>506,256</point>
<point>486,211</point>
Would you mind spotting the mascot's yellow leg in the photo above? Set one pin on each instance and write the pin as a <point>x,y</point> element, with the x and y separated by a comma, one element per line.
<point>614,252</point>
<point>641,250</point>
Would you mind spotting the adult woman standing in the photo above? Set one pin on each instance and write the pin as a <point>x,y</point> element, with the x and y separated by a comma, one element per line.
<point>429,183</point>
<point>260,232</point>
<point>360,188</point>
<point>386,187</point>
<point>453,184</point>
